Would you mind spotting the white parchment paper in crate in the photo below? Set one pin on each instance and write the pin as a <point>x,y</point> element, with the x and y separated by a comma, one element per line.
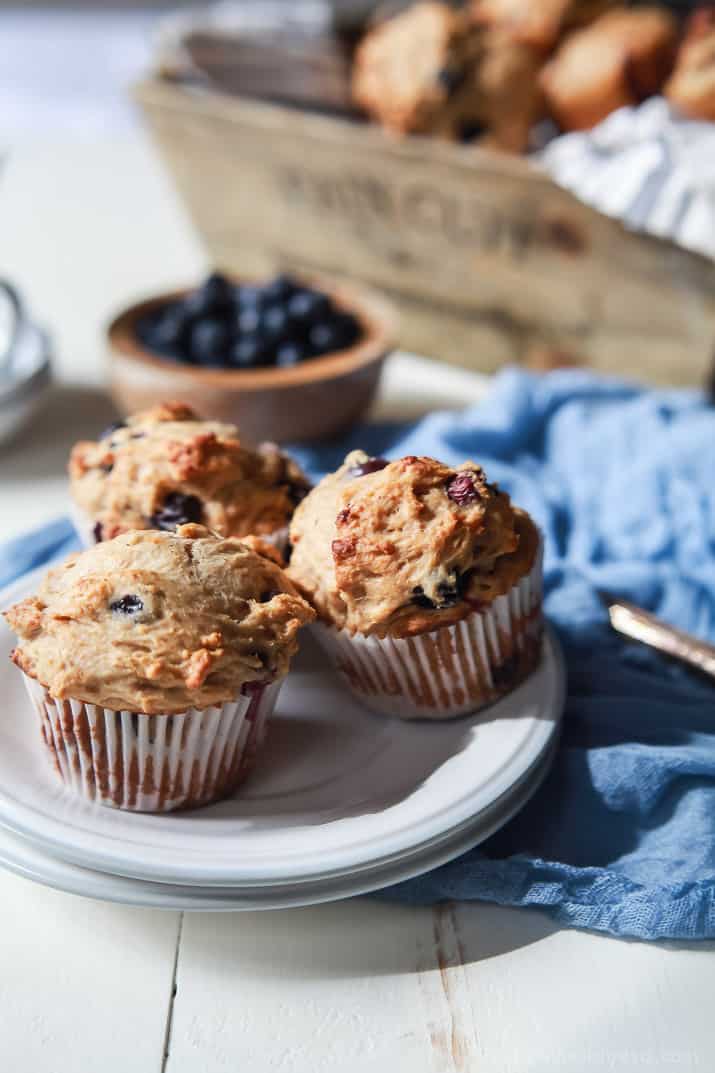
<point>647,166</point>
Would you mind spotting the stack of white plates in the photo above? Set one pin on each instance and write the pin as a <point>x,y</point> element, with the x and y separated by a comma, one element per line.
<point>342,801</point>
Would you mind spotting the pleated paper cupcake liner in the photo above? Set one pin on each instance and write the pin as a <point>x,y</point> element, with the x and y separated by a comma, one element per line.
<point>84,527</point>
<point>452,670</point>
<point>154,763</point>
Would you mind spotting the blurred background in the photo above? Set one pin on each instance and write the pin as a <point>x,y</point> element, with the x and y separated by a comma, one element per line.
<point>544,195</point>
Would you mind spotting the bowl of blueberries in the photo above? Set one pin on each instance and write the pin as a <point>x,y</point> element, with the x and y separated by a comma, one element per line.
<point>288,359</point>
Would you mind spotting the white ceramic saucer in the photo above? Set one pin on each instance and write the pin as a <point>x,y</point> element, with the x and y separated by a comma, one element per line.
<point>339,792</point>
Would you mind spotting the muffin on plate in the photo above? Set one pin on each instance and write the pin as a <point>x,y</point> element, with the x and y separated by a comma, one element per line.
<point>426,580</point>
<point>154,661</point>
<point>166,467</point>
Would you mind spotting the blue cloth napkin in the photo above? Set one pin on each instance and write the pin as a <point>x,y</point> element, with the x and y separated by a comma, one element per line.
<point>621,836</point>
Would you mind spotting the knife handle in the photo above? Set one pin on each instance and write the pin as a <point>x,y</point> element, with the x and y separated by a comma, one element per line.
<point>633,622</point>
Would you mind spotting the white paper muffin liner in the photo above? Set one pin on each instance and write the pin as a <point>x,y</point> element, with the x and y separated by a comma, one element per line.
<point>452,670</point>
<point>84,527</point>
<point>154,763</point>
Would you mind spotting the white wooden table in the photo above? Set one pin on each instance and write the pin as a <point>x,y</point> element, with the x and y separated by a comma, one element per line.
<point>356,986</point>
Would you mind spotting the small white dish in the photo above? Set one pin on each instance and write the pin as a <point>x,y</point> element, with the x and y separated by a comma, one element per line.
<point>338,791</point>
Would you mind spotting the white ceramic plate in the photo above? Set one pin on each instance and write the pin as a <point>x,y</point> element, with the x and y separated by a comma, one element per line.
<point>29,860</point>
<point>337,791</point>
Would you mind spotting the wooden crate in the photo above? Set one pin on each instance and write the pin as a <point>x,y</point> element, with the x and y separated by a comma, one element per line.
<point>485,258</point>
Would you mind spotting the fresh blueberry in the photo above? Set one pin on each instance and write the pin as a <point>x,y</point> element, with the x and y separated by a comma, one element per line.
<point>177,509</point>
<point>127,605</point>
<point>215,295</point>
<point>208,342</point>
<point>248,320</point>
<point>249,295</point>
<point>338,333</point>
<point>371,465</point>
<point>323,337</point>
<point>168,330</point>
<point>308,306</point>
<point>144,327</point>
<point>462,489</point>
<point>249,352</point>
<point>208,327</point>
<point>279,288</point>
<point>217,292</point>
<point>274,321</point>
<point>288,354</point>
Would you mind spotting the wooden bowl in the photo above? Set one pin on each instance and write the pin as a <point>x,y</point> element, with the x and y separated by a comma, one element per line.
<point>314,400</point>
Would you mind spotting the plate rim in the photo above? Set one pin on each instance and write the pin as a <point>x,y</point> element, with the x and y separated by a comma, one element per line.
<point>147,894</point>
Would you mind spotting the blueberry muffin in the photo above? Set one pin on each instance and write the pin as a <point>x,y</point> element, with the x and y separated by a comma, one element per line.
<point>435,70</point>
<point>413,72</point>
<point>620,59</point>
<point>154,661</point>
<point>691,87</point>
<point>166,467</point>
<point>539,25</point>
<point>426,580</point>
<point>508,97</point>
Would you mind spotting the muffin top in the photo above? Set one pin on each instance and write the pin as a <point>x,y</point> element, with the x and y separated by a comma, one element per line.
<point>403,547</point>
<point>159,622</point>
<point>411,71</point>
<point>165,467</point>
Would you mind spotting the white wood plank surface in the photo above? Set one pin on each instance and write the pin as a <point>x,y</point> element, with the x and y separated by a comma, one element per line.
<point>84,985</point>
<point>364,986</point>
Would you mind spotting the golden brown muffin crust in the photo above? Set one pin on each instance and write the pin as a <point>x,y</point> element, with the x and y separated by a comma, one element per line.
<point>538,23</point>
<point>407,547</point>
<point>692,85</point>
<point>159,622</point>
<point>409,70</point>
<point>620,59</point>
<point>125,480</point>
<point>435,70</point>
<point>508,97</point>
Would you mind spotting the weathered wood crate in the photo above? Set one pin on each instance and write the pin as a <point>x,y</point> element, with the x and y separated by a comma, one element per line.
<point>484,257</point>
